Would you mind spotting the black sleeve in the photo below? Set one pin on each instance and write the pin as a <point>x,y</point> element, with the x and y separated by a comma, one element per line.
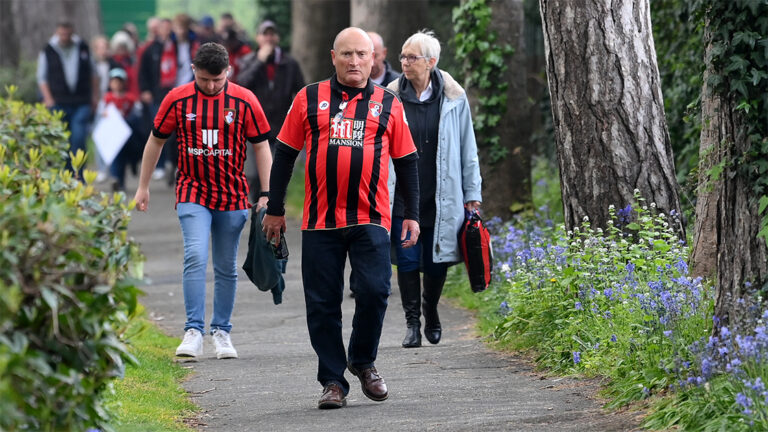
<point>407,171</point>
<point>248,74</point>
<point>282,168</point>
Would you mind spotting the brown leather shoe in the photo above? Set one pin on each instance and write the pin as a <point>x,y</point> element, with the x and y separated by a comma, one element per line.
<point>333,397</point>
<point>372,383</point>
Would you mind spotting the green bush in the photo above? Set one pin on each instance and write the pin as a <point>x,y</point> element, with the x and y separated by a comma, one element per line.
<point>617,303</point>
<point>65,293</point>
<point>23,78</point>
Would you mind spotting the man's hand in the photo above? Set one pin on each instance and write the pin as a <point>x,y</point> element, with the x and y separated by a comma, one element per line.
<point>261,203</point>
<point>142,199</point>
<point>411,227</point>
<point>272,227</point>
<point>265,50</point>
<point>48,102</point>
<point>146,97</point>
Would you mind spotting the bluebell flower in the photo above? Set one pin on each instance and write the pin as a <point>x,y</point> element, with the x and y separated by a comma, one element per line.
<point>576,357</point>
<point>745,401</point>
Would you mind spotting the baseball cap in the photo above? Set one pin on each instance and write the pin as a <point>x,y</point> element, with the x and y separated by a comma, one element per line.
<point>118,73</point>
<point>207,21</point>
<point>267,24</point>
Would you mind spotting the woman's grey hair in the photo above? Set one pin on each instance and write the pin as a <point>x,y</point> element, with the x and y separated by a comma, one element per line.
<point>426,42</point>
<point>121,38</point>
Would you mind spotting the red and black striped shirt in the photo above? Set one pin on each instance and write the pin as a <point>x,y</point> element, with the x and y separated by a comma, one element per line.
<point>349,142</point>
<point>211,135</point>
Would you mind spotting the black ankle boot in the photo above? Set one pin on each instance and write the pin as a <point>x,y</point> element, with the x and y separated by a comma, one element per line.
<point>410,294</point>
<point>433,288</point>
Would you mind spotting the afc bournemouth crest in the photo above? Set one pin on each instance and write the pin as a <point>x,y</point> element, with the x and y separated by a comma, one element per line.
<point>375,108</point>
<point>229,115</point>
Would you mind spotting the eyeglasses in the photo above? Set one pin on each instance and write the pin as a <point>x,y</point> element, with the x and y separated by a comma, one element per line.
<point>410,58</point>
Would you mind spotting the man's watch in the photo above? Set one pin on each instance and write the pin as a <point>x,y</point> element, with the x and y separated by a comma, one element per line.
<point>263,194</point>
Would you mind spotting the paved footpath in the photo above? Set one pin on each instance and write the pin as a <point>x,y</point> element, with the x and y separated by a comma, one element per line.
<point>458,385</point>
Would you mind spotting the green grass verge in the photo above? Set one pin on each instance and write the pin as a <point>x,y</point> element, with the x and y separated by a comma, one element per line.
<point>150,397</point>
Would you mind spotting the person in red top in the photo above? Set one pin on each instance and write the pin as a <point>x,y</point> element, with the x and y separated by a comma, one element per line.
<point>351,129</point>
<point>124,101</point>
<point>214,120</point>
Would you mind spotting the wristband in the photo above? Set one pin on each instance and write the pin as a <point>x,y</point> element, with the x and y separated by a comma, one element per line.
<point>263,194</point>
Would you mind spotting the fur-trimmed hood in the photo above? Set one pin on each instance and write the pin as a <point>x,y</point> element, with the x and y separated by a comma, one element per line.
<point>451,87</point>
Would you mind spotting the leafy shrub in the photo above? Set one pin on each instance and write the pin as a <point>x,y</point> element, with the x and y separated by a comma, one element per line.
<point>725,387</point>
<point>618,302</point>
<point>65,294</point>
<point>23,78</point>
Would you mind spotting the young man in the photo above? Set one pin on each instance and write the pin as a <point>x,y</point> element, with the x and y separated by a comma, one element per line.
<point>214,120</point>
<point>351,128</point>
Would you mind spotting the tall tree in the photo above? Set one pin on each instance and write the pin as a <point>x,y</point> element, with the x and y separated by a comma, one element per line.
<point>607,108</point>
<point>386,18</point>
<point>314,26</point>
<point>734,158</point>
<point>490,35</point>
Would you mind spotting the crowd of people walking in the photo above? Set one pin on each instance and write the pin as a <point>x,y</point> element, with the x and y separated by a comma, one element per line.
<point>391,167</point>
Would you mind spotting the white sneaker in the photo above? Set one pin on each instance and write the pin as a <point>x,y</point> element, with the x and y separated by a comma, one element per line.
<point>192,345</point>
<point>158,173</point>
<point>223,345</point>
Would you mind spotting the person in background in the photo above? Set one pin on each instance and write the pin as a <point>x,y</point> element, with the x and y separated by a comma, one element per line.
<point>125,103</point>
<point>68,82</point>
<point>157,76</point>
<point>274,77</point>
<point>186,45</point>
<point>238,50</point>
<point>132,31</point>
<point>381,73</point>
<point>123,56</point>
<point>153,30</point>
<point>100,53</point>
<point>449,174</point>
<point>227,21</point>
<point>219,120</point>
<point>206,31</point>
<point>351,130</point>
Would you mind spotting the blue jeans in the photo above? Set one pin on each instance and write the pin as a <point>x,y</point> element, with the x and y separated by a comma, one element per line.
<point>77,118</point>
<point>419,256</point>
<point>198,224</point>
<point>324,254</point>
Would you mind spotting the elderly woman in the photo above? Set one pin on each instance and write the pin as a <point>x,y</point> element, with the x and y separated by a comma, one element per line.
<point>449,179</point>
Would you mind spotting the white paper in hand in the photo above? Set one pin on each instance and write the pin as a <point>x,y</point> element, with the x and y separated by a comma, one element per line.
<point>110,133</point>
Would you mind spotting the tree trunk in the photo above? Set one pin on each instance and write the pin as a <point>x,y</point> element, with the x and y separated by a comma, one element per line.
<point>9,39</point>
<point>507,182</point>
<point>35,22</point>
<point>387,18</point>
<point>315,24</point>
<point>705,233</point>
<point>607,108</point>
<point>727,218</point>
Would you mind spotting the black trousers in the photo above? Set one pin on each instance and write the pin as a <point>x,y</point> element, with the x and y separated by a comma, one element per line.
<point>324,254</point>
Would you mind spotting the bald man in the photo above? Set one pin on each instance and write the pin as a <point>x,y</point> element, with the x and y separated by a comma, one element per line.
<point>381,72</point>
<point>350,129</point>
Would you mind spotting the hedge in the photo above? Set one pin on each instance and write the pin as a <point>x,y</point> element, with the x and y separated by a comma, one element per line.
<point>66,290</point>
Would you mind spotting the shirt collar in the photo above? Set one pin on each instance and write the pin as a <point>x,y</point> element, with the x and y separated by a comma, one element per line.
<point>224,90</point>
<point>336,87</point>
